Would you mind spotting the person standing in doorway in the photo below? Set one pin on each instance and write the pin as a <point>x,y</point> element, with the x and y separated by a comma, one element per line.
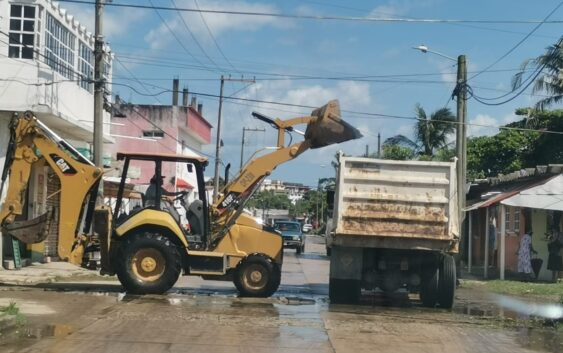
<point>524,252</point>
<point>554,260</point>
<point>492,242</point>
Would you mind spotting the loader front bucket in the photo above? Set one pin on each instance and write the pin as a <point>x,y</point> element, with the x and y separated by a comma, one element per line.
<point>329,128</point>
<point>30,232</point>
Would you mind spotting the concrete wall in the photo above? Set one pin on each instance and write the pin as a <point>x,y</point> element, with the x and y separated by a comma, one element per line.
<point>539,242</point>
<point>23,86</point>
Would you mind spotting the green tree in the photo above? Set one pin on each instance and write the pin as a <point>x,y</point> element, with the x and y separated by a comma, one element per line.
<point>268,200</point>
<point>431,135</point>
<point>499,154</point>
<point>397,152</point>
<point>511,150</point>
<point>546,73</point>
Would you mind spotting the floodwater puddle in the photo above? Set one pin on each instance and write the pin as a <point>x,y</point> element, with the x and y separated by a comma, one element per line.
<point>52,330</point>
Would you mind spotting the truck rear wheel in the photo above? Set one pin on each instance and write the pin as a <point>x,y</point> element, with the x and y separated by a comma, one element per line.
<point>148,264</point>
<point>429,286</point>
<point>447,282</point>
<point>257,276</point>
<point>344,291</point>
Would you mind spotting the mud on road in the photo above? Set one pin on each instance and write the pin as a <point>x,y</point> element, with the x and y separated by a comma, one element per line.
<point>200,316</point>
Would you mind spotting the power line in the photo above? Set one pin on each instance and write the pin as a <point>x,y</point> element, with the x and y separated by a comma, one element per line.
<point>319,17</point>
<point>192,35</point>
<point>213,38</point>
<point>169,30</point>
<point>361,114</point>
<point>519,43</point>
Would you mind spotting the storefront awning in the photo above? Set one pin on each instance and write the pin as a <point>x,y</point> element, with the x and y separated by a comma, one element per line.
<point>182,184</point>
<point>548,196</point>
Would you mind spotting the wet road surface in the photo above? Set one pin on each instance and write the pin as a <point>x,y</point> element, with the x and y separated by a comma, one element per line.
<point>207,316</point>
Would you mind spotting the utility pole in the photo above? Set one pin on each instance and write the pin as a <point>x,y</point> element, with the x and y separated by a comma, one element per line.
<point>378,145</point>
<point>218,142</point>
<point>367,151</point>
<point>244,130</point>
<point>99,88</point>
<point>461,150</point>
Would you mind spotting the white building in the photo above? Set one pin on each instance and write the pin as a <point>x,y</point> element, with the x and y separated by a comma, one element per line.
<point>46,66</point>
<point>294,191</point>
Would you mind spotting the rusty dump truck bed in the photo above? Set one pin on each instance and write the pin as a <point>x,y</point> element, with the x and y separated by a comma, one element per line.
<point>396,204</point>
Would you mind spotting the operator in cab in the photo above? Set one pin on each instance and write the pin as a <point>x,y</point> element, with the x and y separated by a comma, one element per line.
<point>150,194</point>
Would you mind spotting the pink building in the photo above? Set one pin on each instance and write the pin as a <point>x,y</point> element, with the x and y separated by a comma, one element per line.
<point>164,129</point>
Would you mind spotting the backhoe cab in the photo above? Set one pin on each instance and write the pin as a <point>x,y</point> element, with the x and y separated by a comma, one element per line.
<point>148,248</point>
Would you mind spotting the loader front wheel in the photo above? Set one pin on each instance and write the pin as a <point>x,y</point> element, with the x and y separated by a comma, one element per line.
<point>148,263</point>
<point>257,276</point>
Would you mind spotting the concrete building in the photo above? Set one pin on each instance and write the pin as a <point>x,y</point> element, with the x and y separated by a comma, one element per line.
<point>496,226</point>
<point>46,66</point>
<point>294,191</point>
<point>168,129</point>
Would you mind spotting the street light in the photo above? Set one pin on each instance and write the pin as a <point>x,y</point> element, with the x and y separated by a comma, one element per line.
<point>423,48</point>
<point>461,129</point>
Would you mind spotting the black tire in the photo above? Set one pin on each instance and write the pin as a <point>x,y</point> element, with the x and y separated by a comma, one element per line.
<point>148,263</point>
<point>429,286</point>
<point>298,249</point>
<point>328,251</point>
<point>344,291</point>
<point>447,282</point>
<point>257,276</point>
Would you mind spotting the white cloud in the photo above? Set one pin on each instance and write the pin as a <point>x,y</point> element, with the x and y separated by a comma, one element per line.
<point>351,95</point>
<point>481,125</point>
<point>397,8</point>
<point>117,21</point>
<point>218,23</point>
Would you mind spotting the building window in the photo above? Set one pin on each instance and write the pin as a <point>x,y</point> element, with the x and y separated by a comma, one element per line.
<point>85,66</point>
<point>153,133</point>
<point>507,219</point>
<point>59,47</point>
<point>516,218</point>
<point>22,32</point>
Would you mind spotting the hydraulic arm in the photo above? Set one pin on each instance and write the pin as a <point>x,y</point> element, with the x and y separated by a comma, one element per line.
<point>31,141</point>
<point>324,127</point>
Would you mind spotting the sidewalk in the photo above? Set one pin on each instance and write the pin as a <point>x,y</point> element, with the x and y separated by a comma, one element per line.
<point>42,273</point>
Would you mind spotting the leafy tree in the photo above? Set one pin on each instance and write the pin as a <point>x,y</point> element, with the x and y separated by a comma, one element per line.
<point>397,152</point>
<point>512,150</point>
<point>546,74</point>
<point>500,154</point>
<point>432,132</point>
<point>268,200</point>
<point>431,135</point>
<point>548,147</point>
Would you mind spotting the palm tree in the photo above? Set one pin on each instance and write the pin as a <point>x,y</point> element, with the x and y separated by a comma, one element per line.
<point>431,133</point>
<point>547,75</point>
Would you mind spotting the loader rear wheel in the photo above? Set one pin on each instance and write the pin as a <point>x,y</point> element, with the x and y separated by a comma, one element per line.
<point>447,282</point>
<point>148,264</point>
<point>257,276</point>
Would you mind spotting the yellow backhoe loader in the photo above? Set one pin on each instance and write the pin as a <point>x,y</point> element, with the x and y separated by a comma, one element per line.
<point>147,248</point>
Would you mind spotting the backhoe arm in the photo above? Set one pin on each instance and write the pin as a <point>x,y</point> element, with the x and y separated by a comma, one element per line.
<point>30,141</point>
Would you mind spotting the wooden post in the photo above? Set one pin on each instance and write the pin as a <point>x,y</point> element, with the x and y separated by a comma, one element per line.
<point>486,269</point>
<point>470,243</point>
<point>502,240</point>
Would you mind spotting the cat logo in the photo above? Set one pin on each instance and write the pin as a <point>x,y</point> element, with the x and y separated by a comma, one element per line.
<point>63,165</point>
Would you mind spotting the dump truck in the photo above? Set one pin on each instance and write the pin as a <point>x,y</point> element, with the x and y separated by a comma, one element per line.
<point>394,227</point>
<point>147,248</point>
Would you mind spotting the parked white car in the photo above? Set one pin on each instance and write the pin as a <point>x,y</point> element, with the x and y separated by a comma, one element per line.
<point>307,227</point>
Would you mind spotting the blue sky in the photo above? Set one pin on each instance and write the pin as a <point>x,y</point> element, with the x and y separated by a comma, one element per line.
<point>262,46</point>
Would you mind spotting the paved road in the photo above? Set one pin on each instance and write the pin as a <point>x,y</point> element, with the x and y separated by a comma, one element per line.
<point>205,316</point>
